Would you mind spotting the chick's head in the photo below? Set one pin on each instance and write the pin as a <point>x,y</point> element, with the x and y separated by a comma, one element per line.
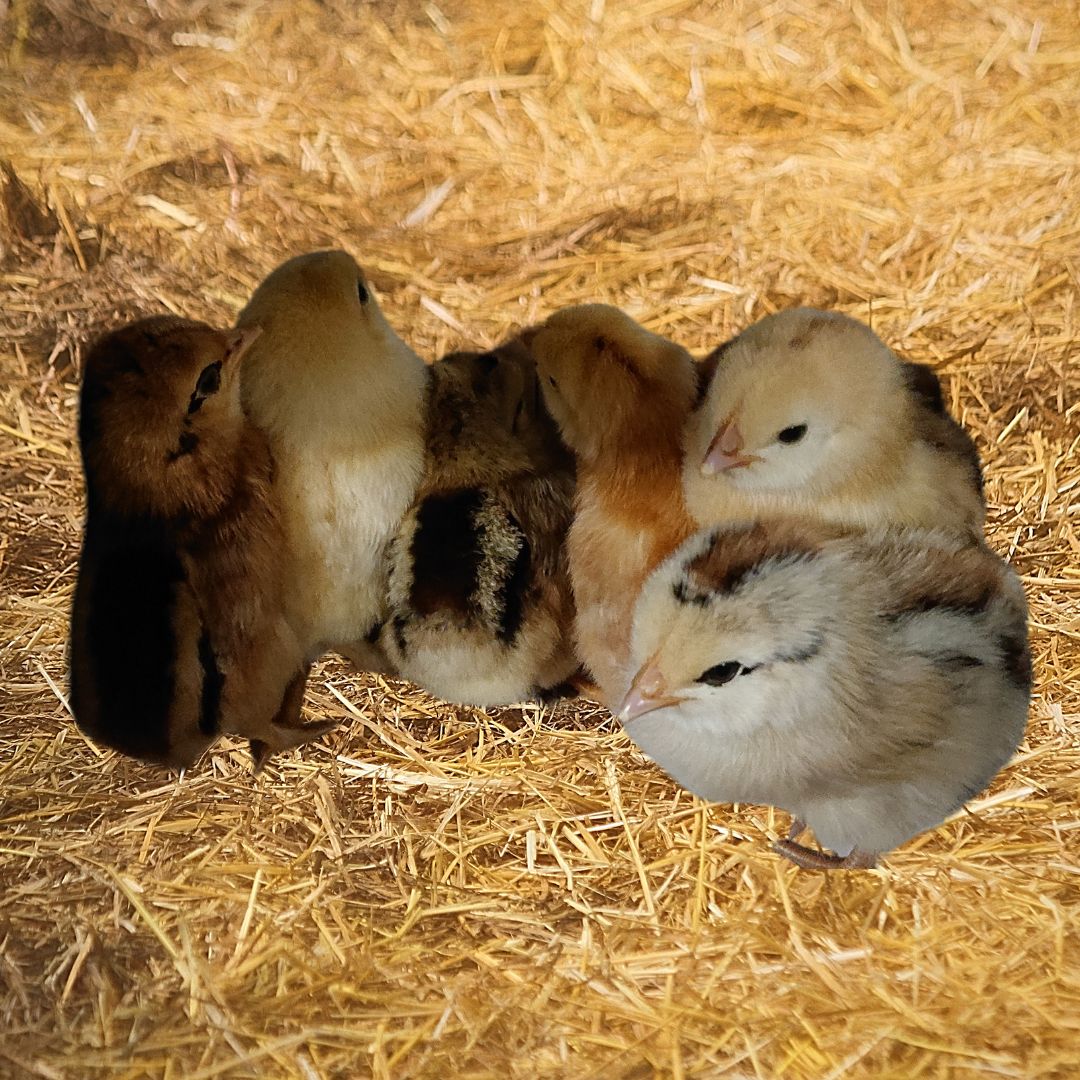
<point>486,418</point>
<point>326,347</point>
<point>499,387</point>
<point>308,294</point>
<point>803,400</point>
<point>160,416</point>
<point>605,378</point>
<point>729,611</point>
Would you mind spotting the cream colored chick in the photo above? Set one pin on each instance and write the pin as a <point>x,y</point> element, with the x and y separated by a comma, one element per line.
<point>480,604</point>
<point>340,397</point>
<point>620,396</point>
<point>178,633</point>
<point>868,683</point>
<point>809,413</point>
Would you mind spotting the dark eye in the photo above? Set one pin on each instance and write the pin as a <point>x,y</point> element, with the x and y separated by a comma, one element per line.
<point>553,382</point>
<point>488,362</point>
<point>208,382</point>
<point>720,674</point>
<point>361,291</point>
<point>792,434</point>
<point>600,343</point>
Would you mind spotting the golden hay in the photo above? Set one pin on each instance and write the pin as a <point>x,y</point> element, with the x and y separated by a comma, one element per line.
<point>444,892</point>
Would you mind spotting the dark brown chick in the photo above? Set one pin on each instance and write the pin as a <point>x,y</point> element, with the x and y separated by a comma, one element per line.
<point>176,630</point>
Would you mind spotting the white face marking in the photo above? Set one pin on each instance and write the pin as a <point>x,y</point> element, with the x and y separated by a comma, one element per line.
<point>776,465</point>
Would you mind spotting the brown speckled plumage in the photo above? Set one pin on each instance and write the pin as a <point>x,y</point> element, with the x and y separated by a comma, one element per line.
<point>480,603</point>
<point>867,682</point>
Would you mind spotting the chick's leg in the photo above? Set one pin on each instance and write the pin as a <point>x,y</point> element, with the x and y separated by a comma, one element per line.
<point>809,859</point>
<point>286,729</point>
<point>369,655</point>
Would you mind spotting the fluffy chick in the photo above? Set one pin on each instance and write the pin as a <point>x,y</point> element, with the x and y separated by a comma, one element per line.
<point>620,396</point>
<point>868,683</point>
<point>177,631</point>
<point>340,397</point>
<point>480,603</point>
<point>809,413</point>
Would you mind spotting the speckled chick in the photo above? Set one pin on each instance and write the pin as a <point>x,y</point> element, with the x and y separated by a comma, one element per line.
<point>177,629</point>
<point>340,397</point>
<point>869,683</point>
<point>621,396</point>
<point>809,413</point>
<point>481,610</point>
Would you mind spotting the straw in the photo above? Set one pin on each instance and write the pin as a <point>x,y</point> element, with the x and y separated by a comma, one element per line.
<point>436,891</point>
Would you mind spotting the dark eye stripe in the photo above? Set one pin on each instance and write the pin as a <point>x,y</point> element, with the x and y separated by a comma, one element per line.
<point>208,382</point>
<point>189,442</point>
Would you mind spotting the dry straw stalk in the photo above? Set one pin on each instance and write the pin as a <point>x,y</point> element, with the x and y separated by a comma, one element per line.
<point>436,891</point>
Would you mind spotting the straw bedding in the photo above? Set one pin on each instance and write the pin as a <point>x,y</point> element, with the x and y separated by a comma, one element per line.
<point>436,891</point>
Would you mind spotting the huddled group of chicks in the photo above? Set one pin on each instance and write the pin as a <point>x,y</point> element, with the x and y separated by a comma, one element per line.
<point>769,564</point>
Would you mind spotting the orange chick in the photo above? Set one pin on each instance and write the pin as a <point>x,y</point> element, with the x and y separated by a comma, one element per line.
<point>620,396</point>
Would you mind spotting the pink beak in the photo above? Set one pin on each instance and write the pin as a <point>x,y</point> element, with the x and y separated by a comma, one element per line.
<point>646,694</point>
<point>240,341</point>
<point>725,451</point>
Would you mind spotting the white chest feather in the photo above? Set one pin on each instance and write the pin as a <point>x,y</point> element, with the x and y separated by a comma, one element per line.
<point>343,506</point>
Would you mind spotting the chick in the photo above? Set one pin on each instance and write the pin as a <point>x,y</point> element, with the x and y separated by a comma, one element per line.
<point>480,604</point>
<point>809,413</point>
<point>869,683</point>
<point>177,629</point>
<point>340,397</point>
<point>620,396</point>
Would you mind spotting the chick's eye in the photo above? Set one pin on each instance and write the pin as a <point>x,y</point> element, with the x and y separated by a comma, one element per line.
<point>719,674</point>
<point>553,382</point>
<point>209,381</point>
<point>792,434</point>
<point>361,291</point>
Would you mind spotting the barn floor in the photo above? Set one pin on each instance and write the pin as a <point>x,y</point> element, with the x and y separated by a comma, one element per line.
<point>446,892</point>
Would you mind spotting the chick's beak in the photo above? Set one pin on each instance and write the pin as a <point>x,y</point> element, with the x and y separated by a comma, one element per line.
<point>725,451</point>
<point>239,343</point>
<point>646,693</point>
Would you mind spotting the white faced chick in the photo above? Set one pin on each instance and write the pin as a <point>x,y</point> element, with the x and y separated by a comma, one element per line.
<point>177,629</point>
<point>340,397</point>
<point>480,604</point>
<point>868,683</point>
<point>809,413</point>
<point>620,396</point>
